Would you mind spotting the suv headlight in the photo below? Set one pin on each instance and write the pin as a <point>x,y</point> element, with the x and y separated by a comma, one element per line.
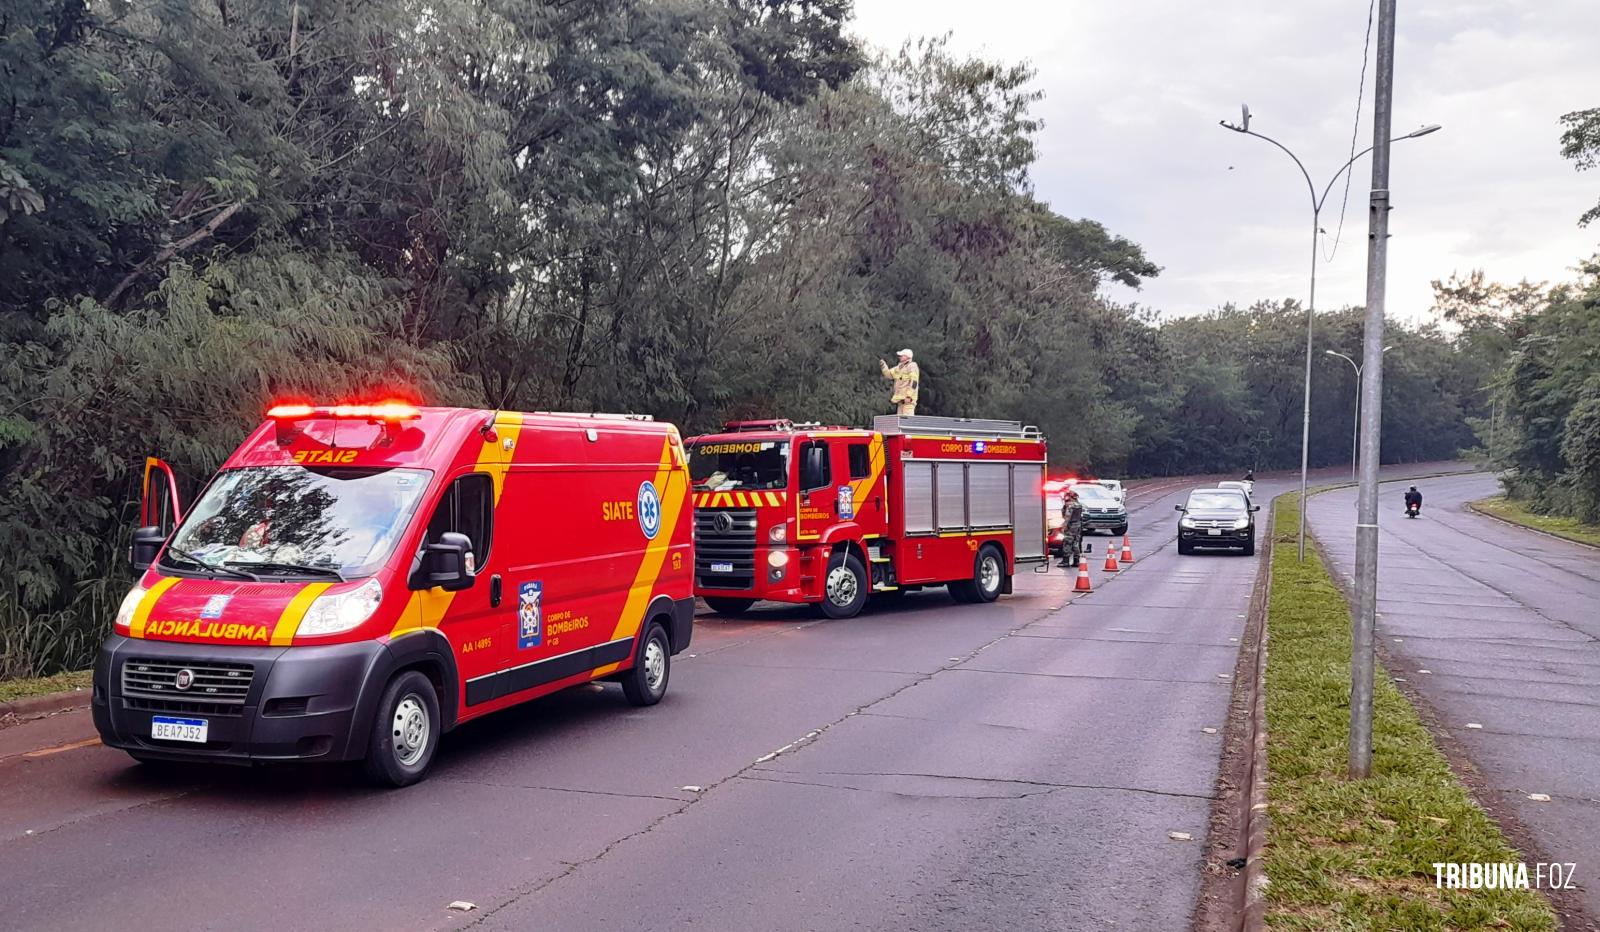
<point>778,534</point>
<point>336,613</point>
<point>1240,524</point>
<point>130,604</point>
<point>1186,521</point>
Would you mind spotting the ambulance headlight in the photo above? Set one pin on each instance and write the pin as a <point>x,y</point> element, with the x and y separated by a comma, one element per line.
<point>779,534</point>
<point>130,604</point>
<point>336,613</point>
<point>777,558</point>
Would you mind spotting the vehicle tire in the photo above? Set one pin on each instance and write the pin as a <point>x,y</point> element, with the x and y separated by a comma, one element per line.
<point>1185,549</point>
<point>1250,547</point>
<point>646,683</point>
<point>405,733</point>
<point>988,573</point>
<point>844,587</point>
<point>729,606</point>
<point>1119,531</point>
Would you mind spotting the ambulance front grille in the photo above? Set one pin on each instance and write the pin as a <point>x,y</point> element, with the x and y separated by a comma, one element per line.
<point>725,548</point>
<point>220,684</point>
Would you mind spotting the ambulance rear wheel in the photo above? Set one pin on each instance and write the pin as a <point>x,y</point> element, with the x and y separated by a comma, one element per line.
<point>406,732</point>
<point>646,683</point>
<point>729,606</point>
<point>844,589</point>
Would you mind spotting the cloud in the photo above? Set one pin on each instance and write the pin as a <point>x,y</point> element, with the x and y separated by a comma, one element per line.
<point>1134,92</point>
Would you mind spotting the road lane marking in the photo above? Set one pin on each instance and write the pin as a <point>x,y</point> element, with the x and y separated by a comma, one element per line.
<point>46,752</point>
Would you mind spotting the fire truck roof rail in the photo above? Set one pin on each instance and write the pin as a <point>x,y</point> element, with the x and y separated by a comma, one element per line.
<point>772,424</point>
<point>596,415</point>
<point>981,428</point>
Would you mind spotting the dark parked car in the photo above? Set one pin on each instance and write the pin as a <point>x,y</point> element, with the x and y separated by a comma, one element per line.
<point>1101,509</point>
<point>1217,518</point>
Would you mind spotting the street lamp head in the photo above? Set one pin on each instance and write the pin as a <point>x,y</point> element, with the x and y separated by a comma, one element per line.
<point>1244,120</point>
<point>1423,131</point>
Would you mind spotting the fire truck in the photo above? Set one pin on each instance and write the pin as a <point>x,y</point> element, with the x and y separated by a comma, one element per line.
<point>829,516</point>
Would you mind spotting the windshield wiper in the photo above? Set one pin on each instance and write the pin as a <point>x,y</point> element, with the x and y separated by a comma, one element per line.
<point>209,568</point>
<point>292,567</point>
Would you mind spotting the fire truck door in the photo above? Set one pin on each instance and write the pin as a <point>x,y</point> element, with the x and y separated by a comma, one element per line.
<point>817,498</point>
<point>864,464</point>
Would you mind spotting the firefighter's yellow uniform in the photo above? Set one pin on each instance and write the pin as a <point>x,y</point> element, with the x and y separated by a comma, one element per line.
<point>906,375</point>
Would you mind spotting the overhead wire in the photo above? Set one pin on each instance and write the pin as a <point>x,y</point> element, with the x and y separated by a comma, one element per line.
<point>1355,130</point>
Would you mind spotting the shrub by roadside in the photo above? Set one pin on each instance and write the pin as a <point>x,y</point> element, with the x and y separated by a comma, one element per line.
<point>44,685</point>
<point>1360,855</point>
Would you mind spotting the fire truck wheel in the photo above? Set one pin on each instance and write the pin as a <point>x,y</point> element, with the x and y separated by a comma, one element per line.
<point>646,683</point>
<point>729,606</point>
<point>844,591</point>
<point>988,574</point>
<point>406,732</point>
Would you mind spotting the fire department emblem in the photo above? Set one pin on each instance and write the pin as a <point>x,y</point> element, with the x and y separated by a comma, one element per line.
<point>649,510</point>
<point>530,615</point>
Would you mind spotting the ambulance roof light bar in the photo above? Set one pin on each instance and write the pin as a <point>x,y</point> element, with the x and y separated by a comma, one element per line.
<point>387,413</point>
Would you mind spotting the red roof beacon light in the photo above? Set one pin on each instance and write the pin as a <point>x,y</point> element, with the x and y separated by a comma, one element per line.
<point>387,413</point>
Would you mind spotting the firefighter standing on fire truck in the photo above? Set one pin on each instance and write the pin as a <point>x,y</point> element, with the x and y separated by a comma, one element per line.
<point>905,376</point>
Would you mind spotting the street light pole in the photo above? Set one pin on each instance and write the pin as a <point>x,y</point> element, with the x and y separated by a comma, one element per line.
<point>1355,420</point>
<point>1317,203</point>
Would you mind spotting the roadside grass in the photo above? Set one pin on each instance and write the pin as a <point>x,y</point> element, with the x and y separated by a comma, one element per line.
<point>43,685</point>
<point>1514,511</point>
<point>1360,855</point>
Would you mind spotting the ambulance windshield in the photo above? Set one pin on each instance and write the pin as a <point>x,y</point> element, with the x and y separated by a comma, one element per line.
<point>717,465</point>
<point>293,521</point>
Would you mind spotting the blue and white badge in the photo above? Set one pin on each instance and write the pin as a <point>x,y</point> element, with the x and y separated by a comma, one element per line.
<point>978,446</point>
<point>847,502</point>
<point>649,509</point>
<point>214,606</point>
<point>530,615</point>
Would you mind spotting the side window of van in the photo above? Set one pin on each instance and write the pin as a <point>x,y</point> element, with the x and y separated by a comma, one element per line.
<point>816,466</point>
<point>467,508</point>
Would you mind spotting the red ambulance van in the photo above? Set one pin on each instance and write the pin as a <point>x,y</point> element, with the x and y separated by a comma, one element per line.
<point>359,579</point>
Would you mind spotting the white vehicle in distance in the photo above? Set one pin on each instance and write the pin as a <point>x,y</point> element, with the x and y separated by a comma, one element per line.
<point>1243,485</point>
<point>1114,486</point>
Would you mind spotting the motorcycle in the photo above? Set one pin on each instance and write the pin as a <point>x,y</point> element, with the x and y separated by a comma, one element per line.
<point>1412,510</point>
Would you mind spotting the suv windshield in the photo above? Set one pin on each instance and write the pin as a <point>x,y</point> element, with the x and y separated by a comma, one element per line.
<point>1095,495</point>
<point>1216,501</point>
<point>716,465</point>
<point>290,520</point>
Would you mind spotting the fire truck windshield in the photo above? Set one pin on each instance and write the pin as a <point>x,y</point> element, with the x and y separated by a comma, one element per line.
<point>293,521</point>
<point>716,465</point>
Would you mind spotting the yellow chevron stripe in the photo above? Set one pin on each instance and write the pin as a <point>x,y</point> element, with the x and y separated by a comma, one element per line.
<point>669,485</point>
<point>295,612</point>
<point>141,615</point>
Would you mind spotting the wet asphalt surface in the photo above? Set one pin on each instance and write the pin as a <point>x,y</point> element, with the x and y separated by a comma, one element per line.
<point>926,765</point>
<point>1497,627</point>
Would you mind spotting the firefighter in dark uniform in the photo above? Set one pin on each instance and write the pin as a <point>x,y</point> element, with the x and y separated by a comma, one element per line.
<point>1072,529</point>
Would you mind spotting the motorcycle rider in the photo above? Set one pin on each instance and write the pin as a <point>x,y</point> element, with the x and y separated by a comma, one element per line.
<point>1072,530</point>
<point>1413,497</point>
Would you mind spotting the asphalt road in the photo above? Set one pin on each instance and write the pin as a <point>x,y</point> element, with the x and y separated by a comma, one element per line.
<point>927,765</point>
<point>1498,628</point>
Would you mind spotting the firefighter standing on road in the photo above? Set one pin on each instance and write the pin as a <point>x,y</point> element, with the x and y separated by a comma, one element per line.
<point>905,376</point>
<point>1072,530</point>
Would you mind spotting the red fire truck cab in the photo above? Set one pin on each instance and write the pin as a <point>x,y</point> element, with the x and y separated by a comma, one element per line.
<point>358,579</point>
<point>830,515</point>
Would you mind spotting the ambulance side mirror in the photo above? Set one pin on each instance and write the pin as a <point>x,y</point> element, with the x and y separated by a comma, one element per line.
<point>444,564</point>
<point>147,543</point>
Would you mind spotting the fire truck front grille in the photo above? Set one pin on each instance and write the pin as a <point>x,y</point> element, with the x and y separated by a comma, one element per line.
<point>725,548</point>
<point>215,687</point>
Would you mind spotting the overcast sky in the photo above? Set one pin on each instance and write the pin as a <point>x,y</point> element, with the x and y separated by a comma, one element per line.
<point>1134,90</point>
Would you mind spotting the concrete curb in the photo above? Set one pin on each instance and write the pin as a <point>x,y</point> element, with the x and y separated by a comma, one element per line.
<point>1473,507</point>
<point>33,706</point>
<point>1254,916</point>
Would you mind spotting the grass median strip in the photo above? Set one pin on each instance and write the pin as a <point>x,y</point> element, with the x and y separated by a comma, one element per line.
<point>1514,511</point>
<point>1360,855</point>
<point>44,685</point>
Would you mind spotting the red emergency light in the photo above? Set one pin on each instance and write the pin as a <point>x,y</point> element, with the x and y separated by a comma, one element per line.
<point>387,411</point>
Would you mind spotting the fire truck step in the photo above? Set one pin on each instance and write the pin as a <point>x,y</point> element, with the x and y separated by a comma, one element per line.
<point>885,588</point>
<point>882,560</point>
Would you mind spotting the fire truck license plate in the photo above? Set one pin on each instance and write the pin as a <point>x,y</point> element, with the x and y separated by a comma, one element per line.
<point>178,729</point>
<point>722,567</point>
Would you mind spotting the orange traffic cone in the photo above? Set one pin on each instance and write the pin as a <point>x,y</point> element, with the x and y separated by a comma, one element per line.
<point>1127,550</point>
<point>1083,584</point>
<point>1111,560</point>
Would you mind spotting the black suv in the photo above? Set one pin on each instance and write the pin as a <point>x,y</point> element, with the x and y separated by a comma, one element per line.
<point>1217,518</point>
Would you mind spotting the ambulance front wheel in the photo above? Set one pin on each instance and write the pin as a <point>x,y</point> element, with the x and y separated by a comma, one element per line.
<point>844,589</point>
<point>646,683</point>
<point>406,732</point>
